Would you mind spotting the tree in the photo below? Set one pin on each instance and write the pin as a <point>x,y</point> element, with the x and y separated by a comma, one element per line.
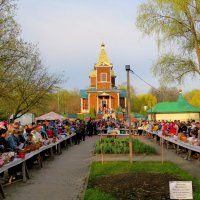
<point>92,113</point>
<point>11,47</point>
<point>61,101</point>
<point>165,93</point>
<point>124,86</point>
<point>193,97</point>
<point>24,81</point>
<point>132,93</point>
<point>144,100</point>
<point>30,85</point>
<point>177,24</point>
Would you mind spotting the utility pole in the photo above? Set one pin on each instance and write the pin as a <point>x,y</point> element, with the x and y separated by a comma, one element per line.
<point>58,100</point>
<point>128,69</point>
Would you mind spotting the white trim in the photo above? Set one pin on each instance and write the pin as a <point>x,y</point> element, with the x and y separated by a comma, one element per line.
<point>81,105</point>
<point>118,99</point>
<point>85,111</point>
<point>88,101</point>
<point>103,66</point>
<point>110,101</point>
<point>110,79</point>
<point>104,99</point>
<point>96,78</point>
<point>104,82</point>
<point>97,110</point>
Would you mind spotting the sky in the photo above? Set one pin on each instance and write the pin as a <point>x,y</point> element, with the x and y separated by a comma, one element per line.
<point>69,34</point>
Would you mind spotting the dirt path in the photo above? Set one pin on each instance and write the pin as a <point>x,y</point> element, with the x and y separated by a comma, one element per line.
<point>62,178</point>
<point>192,166</point>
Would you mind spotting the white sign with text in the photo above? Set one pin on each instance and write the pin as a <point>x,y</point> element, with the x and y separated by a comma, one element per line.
<point>180,189</point>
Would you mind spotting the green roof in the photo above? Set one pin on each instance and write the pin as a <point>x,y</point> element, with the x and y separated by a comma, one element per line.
<point>138,116</point>
<point>83,94</point>
<point>122,93</point>
<point>73,116</point>
<point>179,106</point>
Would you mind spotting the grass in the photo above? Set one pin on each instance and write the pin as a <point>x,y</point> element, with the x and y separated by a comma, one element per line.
<point>121,146</point>
<point>94,194</point>
<point>108,168</point>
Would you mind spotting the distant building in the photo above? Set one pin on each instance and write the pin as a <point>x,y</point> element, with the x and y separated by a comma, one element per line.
<point>102,93</point>
<point>178,110</point>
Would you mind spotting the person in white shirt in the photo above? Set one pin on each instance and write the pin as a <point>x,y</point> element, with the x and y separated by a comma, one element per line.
<point>36,135</point>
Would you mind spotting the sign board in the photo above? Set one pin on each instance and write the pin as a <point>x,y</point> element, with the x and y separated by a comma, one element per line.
<point>180,189</point>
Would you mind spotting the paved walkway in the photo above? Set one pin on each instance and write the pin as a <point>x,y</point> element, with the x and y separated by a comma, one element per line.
<point>62,178</point>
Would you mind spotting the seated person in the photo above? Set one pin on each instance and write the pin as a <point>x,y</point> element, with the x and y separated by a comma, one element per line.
<point>50,133</point>
<point>14,140</point>
<point>44,131</point>
<point>55,131</point>
<point>36,135</point>
<point>4,146</point>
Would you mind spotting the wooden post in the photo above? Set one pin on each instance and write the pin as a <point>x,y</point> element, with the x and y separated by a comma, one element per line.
<point>129,114</point>
<point>162,150</point>
<point>101,149</point>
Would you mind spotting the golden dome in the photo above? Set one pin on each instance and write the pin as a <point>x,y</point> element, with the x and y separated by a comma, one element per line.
<point>103,58</point>
<point>93,73</point>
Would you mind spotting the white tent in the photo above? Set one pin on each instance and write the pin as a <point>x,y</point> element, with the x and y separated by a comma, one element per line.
<point>50,116</point>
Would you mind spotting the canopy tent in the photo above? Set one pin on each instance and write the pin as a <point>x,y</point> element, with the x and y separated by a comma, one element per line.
<point>50,116</point>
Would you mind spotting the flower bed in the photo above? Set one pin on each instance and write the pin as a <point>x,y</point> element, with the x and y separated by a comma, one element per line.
<point>121,146</point>
<point>140,180</point>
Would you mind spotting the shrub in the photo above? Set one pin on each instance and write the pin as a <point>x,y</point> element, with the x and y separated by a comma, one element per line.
<point>118,146</point>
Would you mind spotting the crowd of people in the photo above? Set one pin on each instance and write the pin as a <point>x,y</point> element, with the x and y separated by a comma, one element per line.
<point>189,128</point>
<point>188,132</point>
<point>14,136</point>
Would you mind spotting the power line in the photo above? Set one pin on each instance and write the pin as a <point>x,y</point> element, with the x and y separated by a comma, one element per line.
<point>144,80</point>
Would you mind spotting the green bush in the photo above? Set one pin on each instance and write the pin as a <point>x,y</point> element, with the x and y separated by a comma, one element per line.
<point>120,146</point>
<point>92,113</point>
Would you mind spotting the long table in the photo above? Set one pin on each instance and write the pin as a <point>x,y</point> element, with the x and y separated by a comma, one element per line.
<point>176,141</point>
<point>18,161</point>
<point>121,131</point>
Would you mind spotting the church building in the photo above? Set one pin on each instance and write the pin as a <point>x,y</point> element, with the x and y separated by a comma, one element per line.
<point>102,93</point>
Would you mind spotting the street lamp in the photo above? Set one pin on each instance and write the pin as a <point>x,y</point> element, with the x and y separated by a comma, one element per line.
<point>128,69</point>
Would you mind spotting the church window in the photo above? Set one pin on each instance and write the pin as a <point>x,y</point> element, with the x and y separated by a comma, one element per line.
<point>103,77</point>
<point>85,104</point>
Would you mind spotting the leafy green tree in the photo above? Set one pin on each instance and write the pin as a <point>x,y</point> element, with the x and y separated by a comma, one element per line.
<point>176,24</point>
<point>92,113</point>
<point>193,97</point>
<point>11,49</point>
<point>147,100</point>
